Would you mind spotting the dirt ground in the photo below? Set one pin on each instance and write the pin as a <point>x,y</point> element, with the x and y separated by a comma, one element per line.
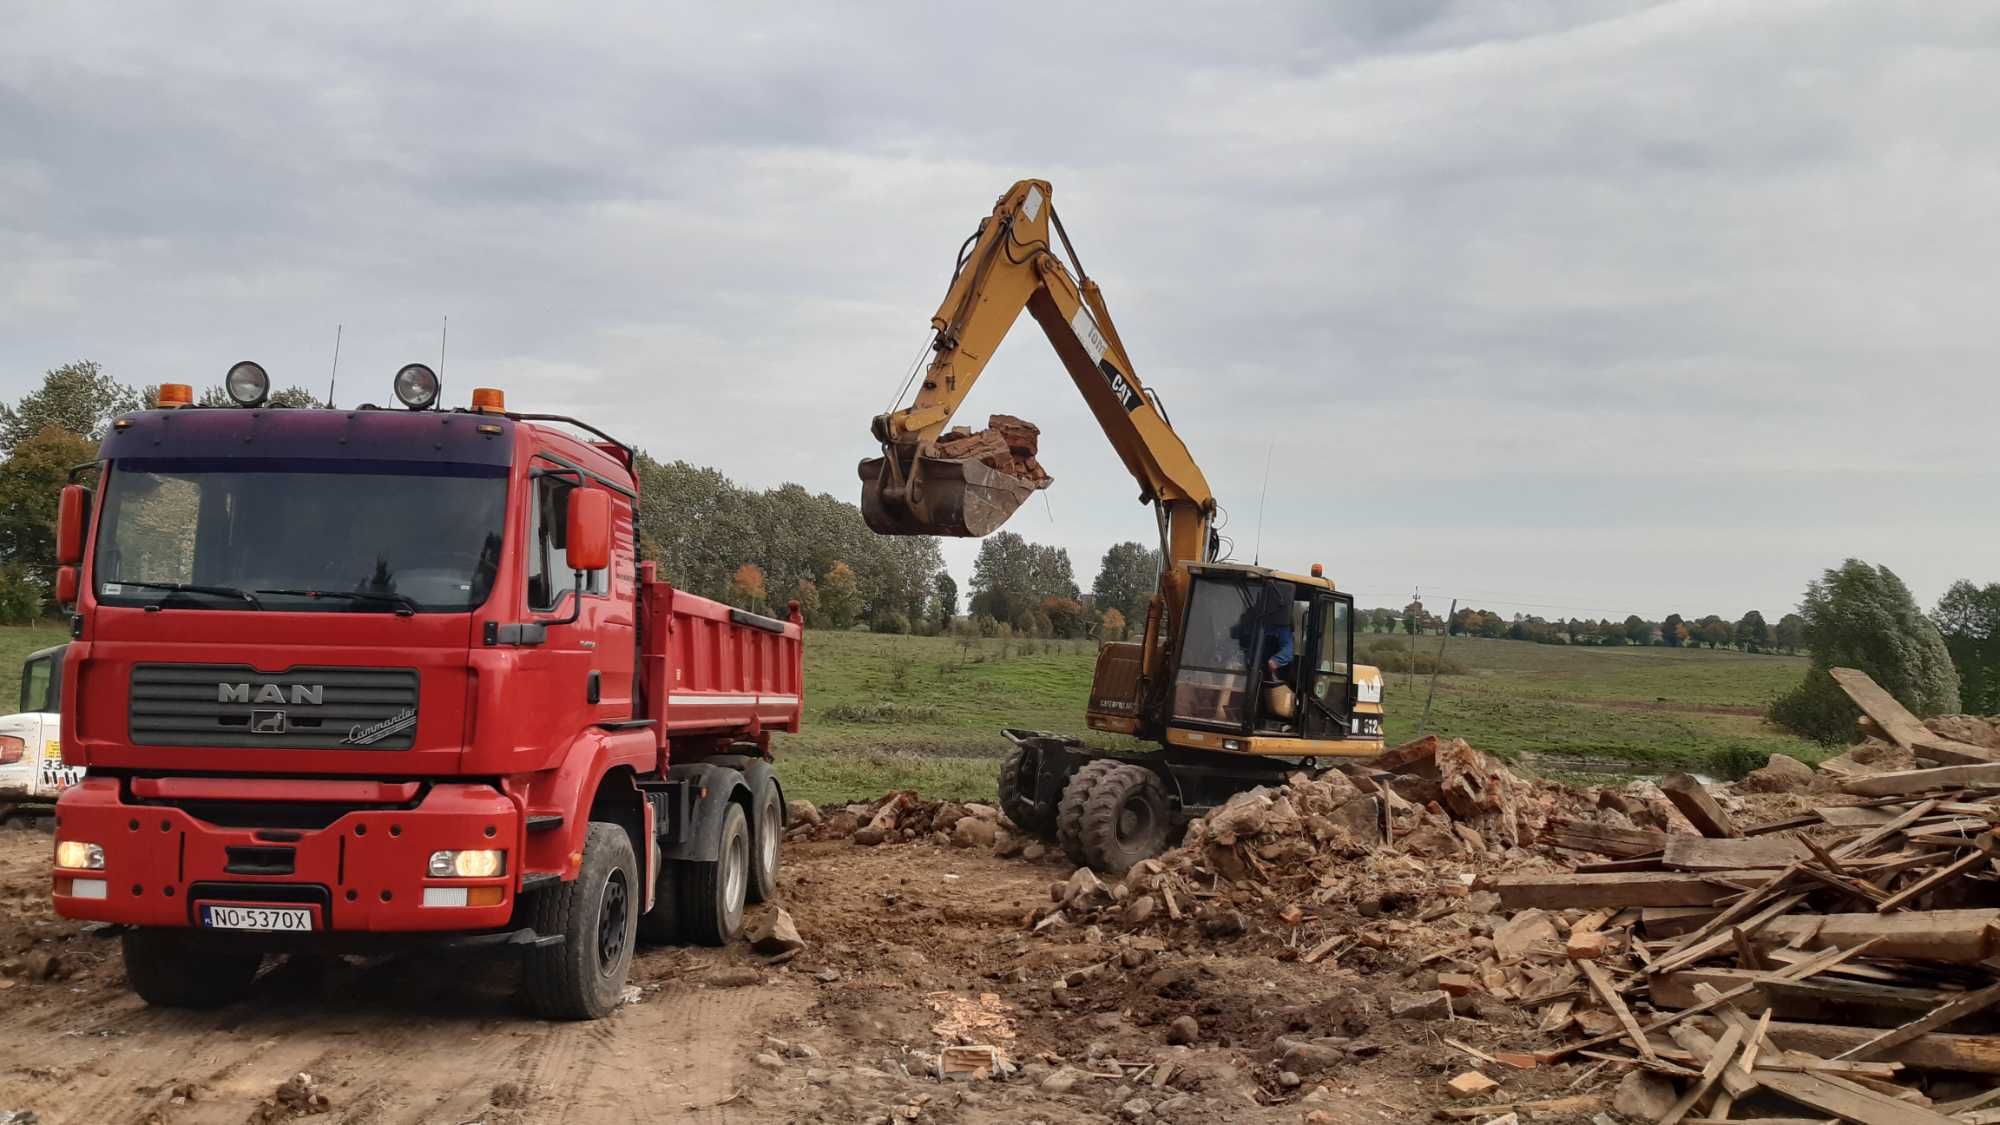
<point>911,948</point>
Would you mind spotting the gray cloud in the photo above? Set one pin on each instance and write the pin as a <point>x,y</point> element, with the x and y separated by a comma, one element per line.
<point>1615,306</point>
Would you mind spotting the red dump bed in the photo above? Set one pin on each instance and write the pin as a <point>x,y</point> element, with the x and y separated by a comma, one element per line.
<point>709,669</point>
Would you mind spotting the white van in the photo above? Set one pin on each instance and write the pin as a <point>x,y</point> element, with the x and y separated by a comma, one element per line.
<point>32,770</point>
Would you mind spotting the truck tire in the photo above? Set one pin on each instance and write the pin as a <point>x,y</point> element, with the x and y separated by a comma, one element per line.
<point>662,924</point>
<point>166,973</point>
<point>597,915</point>
<point>767,837</point>
<point>1069,813</point>
<point>1126,818</point>
<point>713,892</point>
<point>1017,797</point>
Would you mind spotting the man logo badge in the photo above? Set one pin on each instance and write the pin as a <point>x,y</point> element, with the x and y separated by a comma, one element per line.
<point>302,695</point>
<point>269,722</point>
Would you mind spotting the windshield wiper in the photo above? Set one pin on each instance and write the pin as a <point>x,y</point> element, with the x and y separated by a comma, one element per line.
<point>190,588</point>
<point>405,605</point>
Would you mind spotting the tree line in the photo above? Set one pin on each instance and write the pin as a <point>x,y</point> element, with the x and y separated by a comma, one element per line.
<point>1750,633</point>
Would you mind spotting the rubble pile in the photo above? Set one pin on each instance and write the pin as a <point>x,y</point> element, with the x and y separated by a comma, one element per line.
<point>1008,444</point>
<point>903,817</point>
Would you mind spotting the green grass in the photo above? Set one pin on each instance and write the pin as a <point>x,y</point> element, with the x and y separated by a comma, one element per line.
<point>16,642</point>
<point>886,712</point>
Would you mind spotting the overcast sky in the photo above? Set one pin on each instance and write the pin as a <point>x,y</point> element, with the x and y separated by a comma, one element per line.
<point>1558,307</point>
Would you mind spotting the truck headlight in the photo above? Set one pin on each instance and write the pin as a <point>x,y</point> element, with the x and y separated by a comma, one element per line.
<point>475,863</point>
<point>79,856</point>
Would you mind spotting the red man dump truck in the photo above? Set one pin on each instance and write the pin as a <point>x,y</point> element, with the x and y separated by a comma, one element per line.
<point>344,679</point>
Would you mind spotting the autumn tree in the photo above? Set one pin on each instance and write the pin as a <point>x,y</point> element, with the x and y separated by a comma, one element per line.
<point>808,598</point>
<point>1638,630</point>
<point>1752,634</point>
<point>1065,616</point>
<point>944,600</point>
<point>746,588</point>
<point>1790,632</point>
<point>1673,630</point>
<point>839,598</point>
<point>1113,625</point>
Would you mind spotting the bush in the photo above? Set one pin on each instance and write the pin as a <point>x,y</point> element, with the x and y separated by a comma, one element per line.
<point>1393,656</point>
<point>20,596</point>
<point>889,621</point>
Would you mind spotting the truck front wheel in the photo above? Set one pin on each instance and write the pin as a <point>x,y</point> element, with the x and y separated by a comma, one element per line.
<point>597,915</point>
<point>167,973</point>
<point>713,891</point>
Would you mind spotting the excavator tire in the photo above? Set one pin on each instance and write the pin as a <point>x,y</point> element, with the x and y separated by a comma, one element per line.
<point>1126,818</point>
<point>1017,798</point>
<point>1069,813</point>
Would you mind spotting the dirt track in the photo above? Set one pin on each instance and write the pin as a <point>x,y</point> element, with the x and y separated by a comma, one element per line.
<point>900,937</point>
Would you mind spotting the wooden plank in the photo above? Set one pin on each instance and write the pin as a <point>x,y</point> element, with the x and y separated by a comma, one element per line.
<point>1861,845</point>
<point>1694,853</point>
<point>1819,1000</point>
<point>1940,1016</point>
<point>1673,921</point>
<point>1952,752</point>
<point>1831,1094</point>
<point>1939,1050</point>
<point>1854,816</point>
<point>1975,858</point>
<point>1718,1060</point>
<point>1584,892</point>
<point>1604,839</point>
<point>1704,941</point>
<point>1594,973</point>
<point>1896,721</point>
<point>1956,937</point>
<point>1693,800</point>
<point>1898,783</point>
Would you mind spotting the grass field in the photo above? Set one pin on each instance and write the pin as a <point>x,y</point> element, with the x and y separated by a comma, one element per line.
<point>885,712</point>
<point>926,711</point>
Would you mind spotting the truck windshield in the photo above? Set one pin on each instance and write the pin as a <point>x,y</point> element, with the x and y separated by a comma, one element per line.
<point>320,536</point>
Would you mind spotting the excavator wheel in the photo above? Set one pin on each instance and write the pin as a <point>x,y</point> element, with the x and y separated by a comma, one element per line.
<point>1069,814</point>
<point>1017,797</point>
<point>1126,818</point>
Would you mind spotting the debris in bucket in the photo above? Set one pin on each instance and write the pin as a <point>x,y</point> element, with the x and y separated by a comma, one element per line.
<point>1007,444</point>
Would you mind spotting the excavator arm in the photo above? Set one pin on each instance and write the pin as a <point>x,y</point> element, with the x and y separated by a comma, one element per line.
<point>1011,266</point>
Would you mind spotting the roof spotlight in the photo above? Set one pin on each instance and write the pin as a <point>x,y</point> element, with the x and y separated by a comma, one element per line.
<point>247,384</point>
<point>416,386</point>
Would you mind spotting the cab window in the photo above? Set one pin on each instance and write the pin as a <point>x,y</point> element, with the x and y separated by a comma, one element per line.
<point>37,685</point>
<point>549,576</point>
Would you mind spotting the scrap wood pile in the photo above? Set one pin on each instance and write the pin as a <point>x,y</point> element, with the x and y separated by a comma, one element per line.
<point>1008,444</point>
<point>1843,960</point>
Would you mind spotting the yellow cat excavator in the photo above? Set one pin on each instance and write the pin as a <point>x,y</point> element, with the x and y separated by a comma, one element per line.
<point>1242,673</point>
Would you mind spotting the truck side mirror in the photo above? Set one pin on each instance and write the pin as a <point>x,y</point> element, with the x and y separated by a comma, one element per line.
<point>66,582</point>
<point>588,546</point>
<point>69,524</point>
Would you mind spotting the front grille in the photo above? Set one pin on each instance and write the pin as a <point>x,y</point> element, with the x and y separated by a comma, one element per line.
<point>300,708</point>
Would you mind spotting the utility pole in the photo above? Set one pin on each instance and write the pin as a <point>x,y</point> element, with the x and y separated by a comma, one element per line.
<point>1436,668</point>
<point>1415,626</point>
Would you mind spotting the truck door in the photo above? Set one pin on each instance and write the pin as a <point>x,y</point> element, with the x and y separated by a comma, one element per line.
<point>592,658</point>
<point>1331,667</point>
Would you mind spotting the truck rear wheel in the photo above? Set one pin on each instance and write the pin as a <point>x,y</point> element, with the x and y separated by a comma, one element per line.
<point>767,830</point>
<point>166,973</point>
<point>597,915</point>
<point>1125,818</point>
<point>1017,796</point>
<point>1069,813</point>
<point>713,891</point>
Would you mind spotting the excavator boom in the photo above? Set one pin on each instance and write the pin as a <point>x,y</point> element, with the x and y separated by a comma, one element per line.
<point>917,488</point>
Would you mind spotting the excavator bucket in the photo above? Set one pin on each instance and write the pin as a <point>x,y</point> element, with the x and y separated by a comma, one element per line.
<point>958,496</point>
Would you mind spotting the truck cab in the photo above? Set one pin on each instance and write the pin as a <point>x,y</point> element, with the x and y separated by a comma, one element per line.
<point>343,678</point>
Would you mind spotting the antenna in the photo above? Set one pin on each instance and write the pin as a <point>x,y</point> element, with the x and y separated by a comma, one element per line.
<point>336,366</point>
<point>1257,552</point>
<point>442,334</point>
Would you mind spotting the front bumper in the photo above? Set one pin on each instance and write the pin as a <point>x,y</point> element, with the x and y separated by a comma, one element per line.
<point>364,872</point>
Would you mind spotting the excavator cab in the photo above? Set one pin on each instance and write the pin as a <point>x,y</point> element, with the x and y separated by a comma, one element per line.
<point>1240,623</point>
